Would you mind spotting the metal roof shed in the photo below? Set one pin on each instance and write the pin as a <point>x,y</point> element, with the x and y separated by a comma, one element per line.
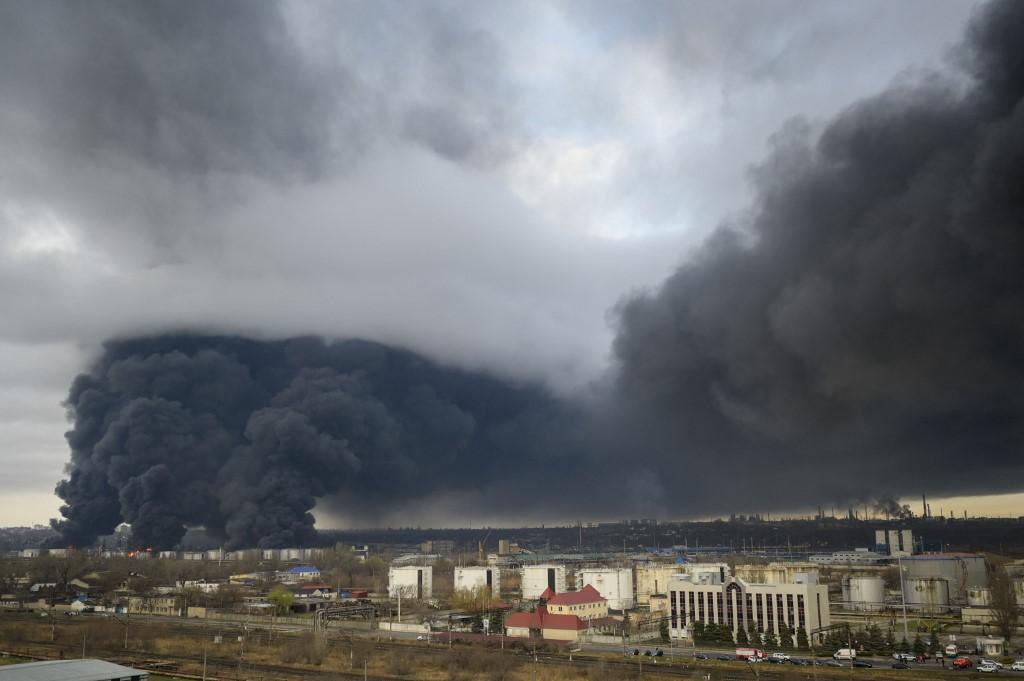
<point>71,670</point>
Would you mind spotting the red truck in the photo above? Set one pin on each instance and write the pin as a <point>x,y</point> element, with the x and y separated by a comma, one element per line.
<point>749,654</point>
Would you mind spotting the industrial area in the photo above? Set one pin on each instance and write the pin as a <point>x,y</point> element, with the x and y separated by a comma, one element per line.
<point>891,601</point>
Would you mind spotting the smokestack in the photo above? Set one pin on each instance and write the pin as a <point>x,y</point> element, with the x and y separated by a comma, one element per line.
<point>924,506</point>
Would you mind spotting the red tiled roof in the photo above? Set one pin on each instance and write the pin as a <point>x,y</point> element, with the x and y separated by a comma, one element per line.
<point>542,619</point>
<point>548,593</point>
<point>587,594</point>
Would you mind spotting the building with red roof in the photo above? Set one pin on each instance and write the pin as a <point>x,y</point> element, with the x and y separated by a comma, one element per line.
<point>586,603</point>
<point>561,616</point>
<point>542,624</point>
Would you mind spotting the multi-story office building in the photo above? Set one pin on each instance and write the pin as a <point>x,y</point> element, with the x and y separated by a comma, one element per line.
<point>737,604</point>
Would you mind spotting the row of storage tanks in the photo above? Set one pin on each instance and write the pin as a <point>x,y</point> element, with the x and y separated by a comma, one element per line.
<point>931,584</point>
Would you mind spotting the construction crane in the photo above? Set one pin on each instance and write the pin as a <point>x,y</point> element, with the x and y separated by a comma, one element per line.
<point>480,546</point>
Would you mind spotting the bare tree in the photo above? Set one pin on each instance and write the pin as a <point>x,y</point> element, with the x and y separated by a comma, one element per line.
<point>1005,613</point>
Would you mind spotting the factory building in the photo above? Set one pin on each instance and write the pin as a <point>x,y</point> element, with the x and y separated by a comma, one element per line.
<point>411,581</point>
<point>472,578</point>
<point>614,584</point>
<point>538,578</point>
<point>652,579</point>
<point>894,542</point>
<point>737,604</point>
<point>299,574</point>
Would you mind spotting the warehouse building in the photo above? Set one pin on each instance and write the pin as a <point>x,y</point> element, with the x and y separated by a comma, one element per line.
<point>71,670</point>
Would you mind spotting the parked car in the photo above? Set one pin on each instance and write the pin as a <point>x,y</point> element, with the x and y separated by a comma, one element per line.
<point>1018,666</point>
<point>700,656</point>
<point>900,665</point>
<point>780,656</point>
<point>988,668</point>
<point>862,663</point>
<point>962,663</point>
<point>845,654</point>
<point>833,663</point>
<point>658,652</point>
<point>724,658</point>
<point>903,657</point>
<point>985,660</point>
<point>421,637</point>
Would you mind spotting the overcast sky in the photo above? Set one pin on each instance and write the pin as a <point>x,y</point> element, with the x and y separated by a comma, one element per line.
<point>478,182</point>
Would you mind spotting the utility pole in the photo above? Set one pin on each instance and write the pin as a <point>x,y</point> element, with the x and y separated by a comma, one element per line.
<point>903,597</point>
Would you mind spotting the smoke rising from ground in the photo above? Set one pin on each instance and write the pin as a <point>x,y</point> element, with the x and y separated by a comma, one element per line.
<point>862,330</point>
<point>244,436</point>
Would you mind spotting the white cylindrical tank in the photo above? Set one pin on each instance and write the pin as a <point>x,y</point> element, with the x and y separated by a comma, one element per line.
<point>473,578</point>
<point>411,581</point>
<point>537,578</point>
<point>1018,590</point>
<point>864,593</point>
<point>927,594</point>
<point>615,584</point>
<point>979,597</point>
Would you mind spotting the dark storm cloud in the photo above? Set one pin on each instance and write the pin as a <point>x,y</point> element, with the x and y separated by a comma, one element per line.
<point>243,437</point>
<point>183,87</point>
<point>864,330</point>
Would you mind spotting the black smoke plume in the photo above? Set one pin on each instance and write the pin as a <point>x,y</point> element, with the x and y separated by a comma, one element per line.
<point>242,436</point>
<point>863,330</point>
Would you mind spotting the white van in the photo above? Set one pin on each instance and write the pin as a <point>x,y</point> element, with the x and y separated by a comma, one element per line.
<point>845,654</point>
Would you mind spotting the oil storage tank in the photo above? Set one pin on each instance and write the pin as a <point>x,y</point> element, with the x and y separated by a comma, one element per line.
<point>960,570</point>
<point>864,593</point>
<point>928,595</point>
<point>979,597</point>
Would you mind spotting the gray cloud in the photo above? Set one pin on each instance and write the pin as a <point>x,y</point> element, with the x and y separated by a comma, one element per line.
<point>438,177</point>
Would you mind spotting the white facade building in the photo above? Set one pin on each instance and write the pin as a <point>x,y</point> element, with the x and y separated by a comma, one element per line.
<point>855,557</point>
<point>754,607</point>
<point>615,584</point>
<point>537,578</point>
<point>472,578</point>
<point>411,581</point>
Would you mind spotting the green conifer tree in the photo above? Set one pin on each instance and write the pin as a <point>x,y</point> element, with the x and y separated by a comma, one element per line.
<point>919,646</point>
<point>742,638</point>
